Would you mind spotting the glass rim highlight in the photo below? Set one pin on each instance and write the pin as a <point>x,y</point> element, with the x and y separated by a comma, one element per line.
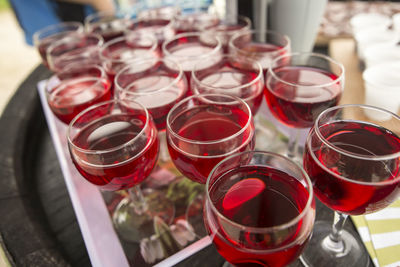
<point>204,96</point>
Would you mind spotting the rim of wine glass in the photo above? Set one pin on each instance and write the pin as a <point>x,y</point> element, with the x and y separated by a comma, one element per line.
<point>63,26</point>
<point>100,151</point>
<point>350,154</point>
<point>204,96</point>
<point>271,72</point>
<point>239,34</point>
<point>225,21</point>
<point>54,45</point>
<point>69,68</point>
<point>224,56</point>
<point>96,18</point>
<point>272,228</point>
<point>138,61</point>
<point>125,38</point>
<point>217,48</point>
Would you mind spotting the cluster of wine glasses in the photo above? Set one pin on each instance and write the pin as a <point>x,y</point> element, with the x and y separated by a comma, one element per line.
<point>188,88</point>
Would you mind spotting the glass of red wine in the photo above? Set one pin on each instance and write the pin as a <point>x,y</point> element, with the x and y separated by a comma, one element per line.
<point>73,48</point>
<point>114,145</point>
<point>109,25</point>
<point>43,38</point>
<point>190,48</point>
<point>230,75</point>
<point>195,21</point>
<point>262,46</point>
<point>353,163</point>
<point>228,27</point>
<point>117,53</point>
<point>167,12</point>
<point>161,27</point>
<point>76,88</point>
<point>156,83</point>
<point>259,209</point>
<point>299,86</point>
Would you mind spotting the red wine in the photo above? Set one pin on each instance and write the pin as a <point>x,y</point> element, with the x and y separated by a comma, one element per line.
<point>159,27</point>
<point>74,95</point>
<point>354,185</point>
<point>109,30</point>
<point>111,171</point>
<point>225,32</point>
<point>258,197</point>
<point>225,75</point>
<point>205,124</point>
<point>146,91</point>
<point>299,105</point>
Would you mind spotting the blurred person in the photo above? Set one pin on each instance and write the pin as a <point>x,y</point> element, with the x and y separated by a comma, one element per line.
<point>33,15</point>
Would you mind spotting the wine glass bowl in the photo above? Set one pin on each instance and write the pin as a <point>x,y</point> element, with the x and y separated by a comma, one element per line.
<point>262,46</point>
<point>76,88</point>
<point>206,128</point>
<point>259,209</point>
<point>73,48</point>
<point>109,25</point>
<point>353,162</point>
<point>117,53</point>
<point>156,83</point>
<point>114,144</point>
<point>190,48</point>
<point>44,37</point>
<point>194,22</point>
<point>230,75</point>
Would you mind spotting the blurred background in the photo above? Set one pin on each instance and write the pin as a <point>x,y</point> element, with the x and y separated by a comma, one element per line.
<point>17,58</point>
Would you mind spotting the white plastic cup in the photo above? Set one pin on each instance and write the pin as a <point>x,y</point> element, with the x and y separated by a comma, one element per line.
<point>382,87</point>
<point>382,52</point>
<point>364,21</point>
<point>368,37</point>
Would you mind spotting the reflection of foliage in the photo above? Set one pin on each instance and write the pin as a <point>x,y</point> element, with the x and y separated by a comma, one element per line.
<point>183,191</point>
<point>166,240</point>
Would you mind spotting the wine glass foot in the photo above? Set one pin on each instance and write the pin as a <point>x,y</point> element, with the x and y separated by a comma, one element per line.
<point>133,224</point>
<point>194,215</point>
<point>321,251</point>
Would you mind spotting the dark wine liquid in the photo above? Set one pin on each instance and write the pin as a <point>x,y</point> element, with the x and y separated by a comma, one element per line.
<point>71,97</point>
<point>353,185</point>
<point>258,197</point>
<point>299,105</point>
<point>110,133</point>
<point>206,124</point>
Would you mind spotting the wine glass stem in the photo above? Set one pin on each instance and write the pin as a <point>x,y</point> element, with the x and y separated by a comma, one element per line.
<point>334,241</point>
<point>292,144</point>
<point>138,200</point>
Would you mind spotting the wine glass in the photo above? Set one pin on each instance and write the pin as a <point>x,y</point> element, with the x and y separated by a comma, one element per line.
<point>76,88</point>
<point>259,209</point>
<point>109,25</point>
<point>43,38</point>
<point>299,86</point>
<point>166,12</point>
<point>203,129</point>
<point>118,52</point>
<point>161,27</point>
<point>230,75</point>
<point>114,145</point>
<point>194,22</point>
<point>228,27</point>
<point>73,48</point>
<point>353,162</point>
<point>262,46</point>
<point>189,48</point>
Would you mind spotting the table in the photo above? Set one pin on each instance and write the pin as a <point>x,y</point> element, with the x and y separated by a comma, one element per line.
<point>38,225</point>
